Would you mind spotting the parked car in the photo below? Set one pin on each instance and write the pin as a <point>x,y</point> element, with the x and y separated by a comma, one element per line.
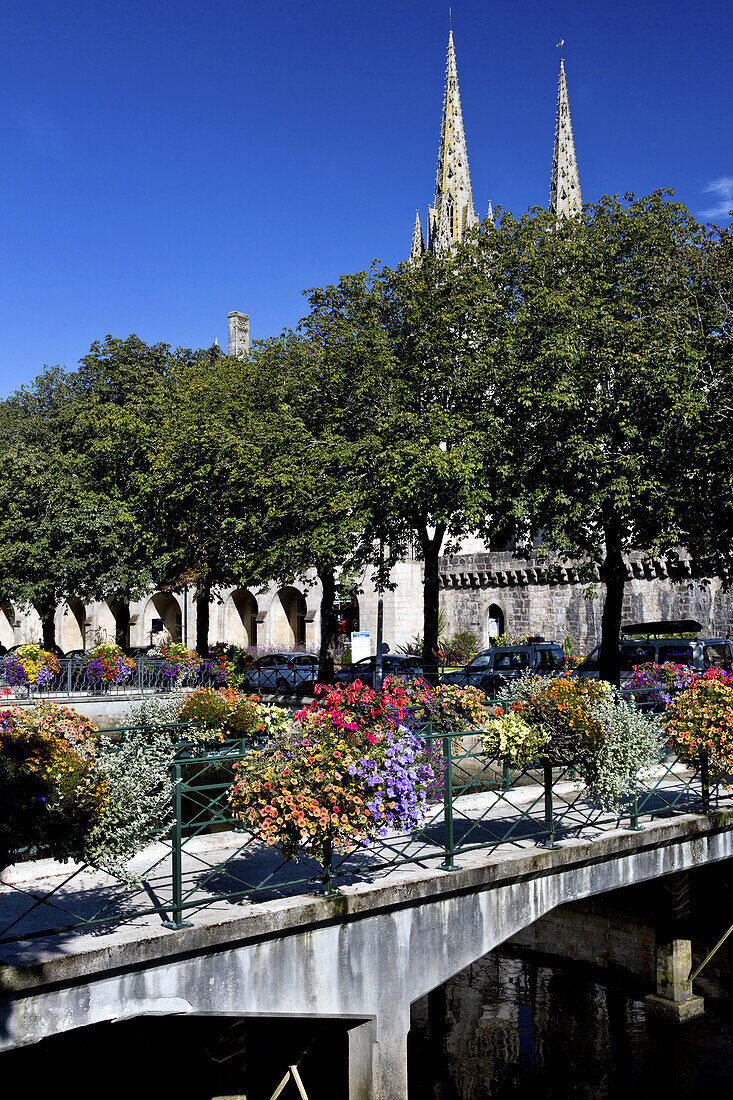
<point>282,672</point>
<point>659,648</point>
<point>493,668</point>
<point>406,667</point>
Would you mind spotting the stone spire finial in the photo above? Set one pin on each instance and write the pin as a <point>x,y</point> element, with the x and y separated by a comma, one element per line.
<point>418,244</point>
<point>565,200</point>
<point>453,213</point>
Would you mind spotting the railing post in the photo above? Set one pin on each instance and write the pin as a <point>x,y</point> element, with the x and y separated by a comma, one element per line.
<point>505,780</point>
<point>68,678</point>
<point>176,922</point>
<point>705,780</point>
<point>633,825</point>
<point>327,879</point>
<point>549,815</point>
<point>449,863</point>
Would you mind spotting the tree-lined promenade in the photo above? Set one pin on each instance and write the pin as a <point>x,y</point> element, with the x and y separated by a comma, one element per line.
<point>568,384</point>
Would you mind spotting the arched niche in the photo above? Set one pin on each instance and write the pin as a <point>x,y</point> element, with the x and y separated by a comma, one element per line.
<point>495,621</point>
<point>287,618</point>
<point>162,619</point>
<point>71,627</point>
<point>7,622</point>
<point>240,618</point>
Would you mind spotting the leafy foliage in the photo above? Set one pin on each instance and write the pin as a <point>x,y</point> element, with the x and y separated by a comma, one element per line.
<point>700,719</point>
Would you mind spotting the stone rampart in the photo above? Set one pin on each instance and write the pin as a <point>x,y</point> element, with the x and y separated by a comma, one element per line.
<point>553,598</point>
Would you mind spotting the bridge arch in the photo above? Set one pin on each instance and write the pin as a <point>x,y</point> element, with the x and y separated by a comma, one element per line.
<point>428,925</point>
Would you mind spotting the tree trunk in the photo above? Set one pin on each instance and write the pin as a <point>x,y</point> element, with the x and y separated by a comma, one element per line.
<point>328,626</point>
<point>203,608</point>
<point>120,608</point>
<point>431,602</point>
<point>47,612</point>
<point>613,575</point>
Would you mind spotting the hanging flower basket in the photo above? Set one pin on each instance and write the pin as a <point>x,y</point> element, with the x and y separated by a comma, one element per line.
<point>106,664</point>
<point>31,666</point>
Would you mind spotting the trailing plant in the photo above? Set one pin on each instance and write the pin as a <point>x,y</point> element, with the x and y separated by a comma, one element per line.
<point>452,709</point>
<point>511,738</point>
<point>700,720</point>
<point>50,790</point>
<point>631,745</point>
<point>583,723</point>
<point>179,665</point>
<point>138,783</point>
<point>347,771</point>
<point>207,709</point>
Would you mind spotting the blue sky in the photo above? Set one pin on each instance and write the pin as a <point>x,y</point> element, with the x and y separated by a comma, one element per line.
<point>167,161</point>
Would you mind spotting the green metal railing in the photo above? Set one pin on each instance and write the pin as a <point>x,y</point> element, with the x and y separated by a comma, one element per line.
<point>208,859</point>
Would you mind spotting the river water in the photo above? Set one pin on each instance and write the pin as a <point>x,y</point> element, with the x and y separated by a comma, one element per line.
<point>522,1027</point>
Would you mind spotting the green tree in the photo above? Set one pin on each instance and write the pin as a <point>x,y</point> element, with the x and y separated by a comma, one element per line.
<point>439,451</point>
<point>608,362</point>
<point>203,466</point>
<point>315,391</point>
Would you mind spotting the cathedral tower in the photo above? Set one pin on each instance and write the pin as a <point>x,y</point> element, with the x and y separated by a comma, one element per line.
<point>565,200</point>
<point>452,212</point>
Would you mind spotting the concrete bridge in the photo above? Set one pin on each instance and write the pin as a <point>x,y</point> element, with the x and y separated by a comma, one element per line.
<point>362,956</point>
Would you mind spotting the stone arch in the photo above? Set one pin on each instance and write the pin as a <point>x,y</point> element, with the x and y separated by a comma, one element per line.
<point>495,622</point>
<point>287,617</point>
<point>7,622</point>
<point>240,618</point>
<point>71,632</point>
<point>162,617</point>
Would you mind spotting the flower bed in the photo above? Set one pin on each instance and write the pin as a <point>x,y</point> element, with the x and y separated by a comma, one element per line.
<point>31,666</point>
<point>106,664</point>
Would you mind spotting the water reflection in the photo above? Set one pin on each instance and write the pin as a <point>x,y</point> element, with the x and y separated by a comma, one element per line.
<point>512,1026</point>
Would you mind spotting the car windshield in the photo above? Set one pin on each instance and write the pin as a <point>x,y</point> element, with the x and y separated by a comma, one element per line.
<point>482,661</point>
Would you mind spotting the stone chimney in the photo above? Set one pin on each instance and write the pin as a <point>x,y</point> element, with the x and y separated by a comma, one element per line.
<point>238,334</point>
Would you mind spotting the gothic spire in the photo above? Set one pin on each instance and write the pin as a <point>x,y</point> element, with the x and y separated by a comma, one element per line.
<point>418,244</point>
<point>453,213</point>
<point>565,200</point>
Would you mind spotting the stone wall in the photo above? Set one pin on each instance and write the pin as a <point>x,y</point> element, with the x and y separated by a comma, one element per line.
<point>551,600</point>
